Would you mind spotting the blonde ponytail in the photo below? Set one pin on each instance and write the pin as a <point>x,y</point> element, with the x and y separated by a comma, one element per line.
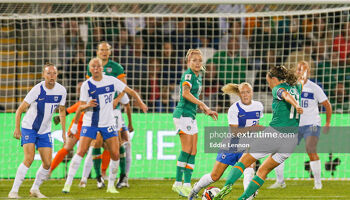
<point>232,88</point>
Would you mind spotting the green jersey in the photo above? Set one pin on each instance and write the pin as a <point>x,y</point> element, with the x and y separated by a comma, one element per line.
<point>111,69</point>
<point>186,108</point>
<point>284,114</point>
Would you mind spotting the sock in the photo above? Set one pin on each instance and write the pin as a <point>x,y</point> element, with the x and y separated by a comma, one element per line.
<point>235,173</point>
<point>189,169</point>
<point>203,182</point>
<point>106,157</point>
<point>41,176</point>
<point>279,170</point>
<point>248,176</point>
<point>122,160</point>
<point>21,173</point>
<point>253,186</point>
<point>128,157</point>
<point>58,158</point>
<point>316,170</point>
<point>87,166</point>
<point>96,158</point>
<point>113,170</point>
<point>74,165</point>
<point>180,166</point>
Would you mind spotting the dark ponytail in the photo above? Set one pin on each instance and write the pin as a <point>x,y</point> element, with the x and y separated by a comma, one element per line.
<point>284,74</point>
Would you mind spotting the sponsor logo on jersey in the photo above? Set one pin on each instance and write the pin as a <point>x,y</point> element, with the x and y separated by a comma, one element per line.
<point>188,77</point>
<point>241,115</point>
<point>109,69</point>
<point>93,92</point>
<point>40,99</point>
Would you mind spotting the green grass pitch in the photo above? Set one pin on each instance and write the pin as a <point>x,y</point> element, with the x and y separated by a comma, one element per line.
<point>161,189</point>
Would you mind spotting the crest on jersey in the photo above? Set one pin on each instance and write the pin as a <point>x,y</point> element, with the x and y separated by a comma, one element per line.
<point>107,89</point>
<point>56,98</point>
<point>257,114</point>
<point>188,77</point>
<point>188,128</point>
<point>109,69</point>
<point>223,156</point>
<point>306,94</point>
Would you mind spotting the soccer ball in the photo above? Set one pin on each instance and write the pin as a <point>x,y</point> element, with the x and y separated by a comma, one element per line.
<point>210,193</point>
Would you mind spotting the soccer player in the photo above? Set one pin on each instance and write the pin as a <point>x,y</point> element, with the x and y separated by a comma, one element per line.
<point>42,100</point>
<point>244,113</point>
<point>310,122</point>
<point>185,120</point>
<point>96,98</point>
<point>285,106</point>
<point>116,70</point>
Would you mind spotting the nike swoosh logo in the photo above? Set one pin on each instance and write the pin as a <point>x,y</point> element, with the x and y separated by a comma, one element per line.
<point>41,99</point>
<point>93,92</point>
<point>241,115</point>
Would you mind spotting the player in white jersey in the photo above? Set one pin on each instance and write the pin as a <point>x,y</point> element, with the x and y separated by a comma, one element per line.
<point>244,113</point>
<point>43,100</point>
<point>310,125</point>
<point>96,97</point>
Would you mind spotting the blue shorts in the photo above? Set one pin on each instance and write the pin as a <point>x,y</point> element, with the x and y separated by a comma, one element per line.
<point>124,128</point>
<point>228,158</point>
<point>40,140</point>
<point>307,131</point>
<point>91,132</point>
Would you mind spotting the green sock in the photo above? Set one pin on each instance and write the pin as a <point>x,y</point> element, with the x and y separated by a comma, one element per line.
<point>189,168</point>
<point>96,158</point>
<point>236,172</point>
<point>253,186</point>
<point>180,165</point>
<point>122,162</point>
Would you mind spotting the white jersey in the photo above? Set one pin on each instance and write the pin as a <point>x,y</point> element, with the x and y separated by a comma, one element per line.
<point>43,103</point>
<point>245,115</point>
<point>311,96</point>
<point>103,91</point>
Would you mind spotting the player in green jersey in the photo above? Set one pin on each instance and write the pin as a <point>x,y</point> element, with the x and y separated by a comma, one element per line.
<point>185,120</point>
<point>286,109</point>
<point>114,69</point>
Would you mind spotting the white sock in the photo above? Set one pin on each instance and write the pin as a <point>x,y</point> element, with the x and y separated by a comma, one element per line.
<point>279,173</point>
<point>316,170</point>
<point>203,182</point>
<point>248,176</point>
<point>113,170</point>
<point>41,175</point>
<point>21,173</point>
<point>128,157</point>
<point>74,166</point>
<point>178,183</point>
<point>87,166</point>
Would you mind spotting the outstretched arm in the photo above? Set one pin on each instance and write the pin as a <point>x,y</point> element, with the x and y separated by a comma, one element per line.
<point>139,101</point>
<point>290,99</point>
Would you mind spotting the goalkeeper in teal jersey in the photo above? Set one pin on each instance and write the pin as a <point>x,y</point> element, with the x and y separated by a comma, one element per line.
<point>185,120</point>
<point>114,69</point>
<point>286,92</point>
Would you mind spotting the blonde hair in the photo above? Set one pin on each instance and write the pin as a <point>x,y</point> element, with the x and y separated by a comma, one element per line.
<point>232,88</point>
<point>96,58</point>
<point>48,64</point>
<point>305,63</point>
<point>190,52</point>
<point>104,42</point>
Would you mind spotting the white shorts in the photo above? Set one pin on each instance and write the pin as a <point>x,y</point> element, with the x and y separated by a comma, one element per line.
<point>280,148</point>
<point>118,119</point>
<point>186,125</point>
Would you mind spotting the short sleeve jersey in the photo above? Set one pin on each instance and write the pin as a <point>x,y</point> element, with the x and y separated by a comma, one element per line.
<point>184,107</point>
<point>116,70</point>
<point>43,103</point>
<point>311,96</point>
<point>283,113</point>
<point>103,91</point>
<point>245,115</point>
